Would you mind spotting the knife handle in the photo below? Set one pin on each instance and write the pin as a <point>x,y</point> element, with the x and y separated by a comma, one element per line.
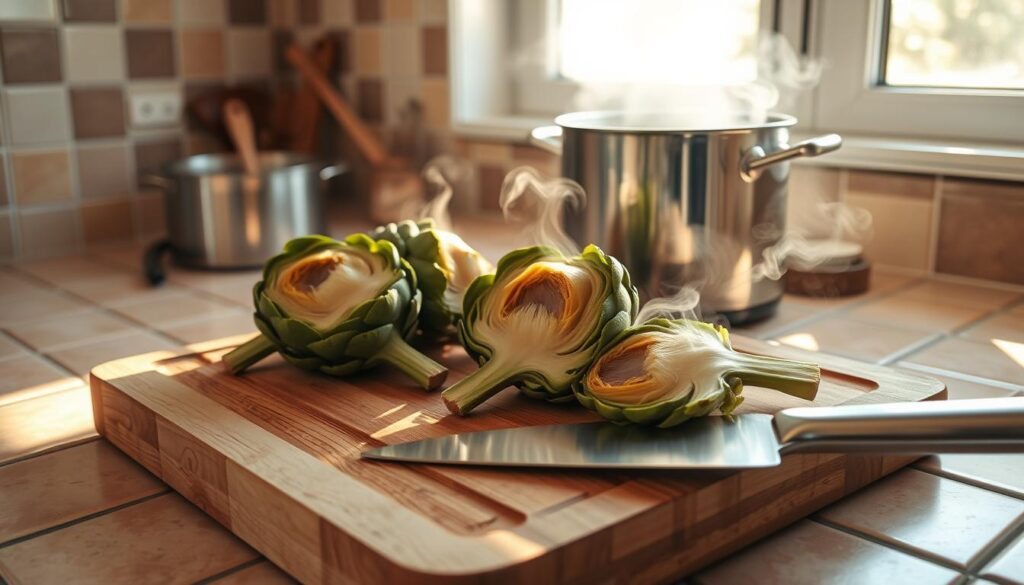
<point>955,426</point>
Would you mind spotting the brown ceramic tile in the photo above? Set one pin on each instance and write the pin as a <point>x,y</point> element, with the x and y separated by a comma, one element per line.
<point>1000,473</point>
<point>202,12</point>
<point>52,489</point>
<point>48,233</point>
<point>1000,326</point>
<point>41,177</point>
<point>89,10</point>
<point>39,424</point>
<point>1009,566</point>
<point>400,10</point>
<point>150,53</point>
<point>83,358</point>
<point>6,236</point>
<point>39,304</point>
<point>309,12</point>
<point>932,516</point>
<point>98,112</point>
<point>808,553</point>
<point>152,214</point>
<point>433,10</point>
<point>938,291</point>
<point>29,376</point>
<point>917,314</point>
<point>249,52</point>
<point>174,309</point>
<point>281,39</point>
<point>980,231</point>
<point>150,157</point>
<point>368,10</point>
<point>202,53</point>
<point>371,100</point>
<point>436,109</point>
<point>47,334</point>
<point>247,11</point>
<point>998,360</point>
<point>30,55</point>
<point>435,50</point>
<point>147,11</point>
<point>263,573</point>
<point>3,181</point>
<point>886,183</point>
<point>490,179</point>
<point>104,171</point>
<point>864,341</point>
<point>161,540</point>
<point>368,49</point>
<point>109,222</point>
<point>212,327</point>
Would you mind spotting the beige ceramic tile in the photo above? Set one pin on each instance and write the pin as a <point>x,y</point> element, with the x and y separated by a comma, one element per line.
<point>83,358</point>
<point>855,339</point>
<point>104,172</point>
<point>998,360</point>
<point>960,389</point>
<point>212,327</point>
<point>41,177</point>
<point>120,289</point>
<point>150,11</point>
<point>36,425</point>
<point>202,54</point>
<point>929,515</point>
<point>894,184</point>
<point>27,376</point>
<point>810,554</point>
<point>262,573</point>
<point>37,305</point>
<point>915,313</point>
<point>787,315</point>
<point>249,52</point>
<point>12,283</point>
<point>172,309</point>
<point>59,487</point>
<point>45,233</point>
<point>884,282</point>
<point>1006,326</point>
<point>368,49</point>
<point>1009,566</point>
<point>436,109</point>
<point>47,334</point>
<point>811,188</point>
<point>38,116</point>
<point>402,10</point>
<point>337,14</point>
<point>202,12</point>
<point>938,291</point>
<point>999,472</point>
<point>162,540</point>
<point>235,288</point>
<point>901,228</point>
<point>435,11</point>
<point>27,10</point>
<point>401,50</point>
<point>69,270</point>
<point>94,54</point>
<point>9,347</point>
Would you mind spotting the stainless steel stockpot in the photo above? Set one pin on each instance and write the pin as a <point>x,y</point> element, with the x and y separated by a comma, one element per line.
<point>681,206</point>
<point>219,217</point>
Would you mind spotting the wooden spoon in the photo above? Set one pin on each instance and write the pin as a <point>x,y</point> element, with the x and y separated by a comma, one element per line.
<point>239,125</point>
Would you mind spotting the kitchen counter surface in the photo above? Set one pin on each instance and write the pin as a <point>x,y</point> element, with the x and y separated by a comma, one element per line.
<point>76,509</point>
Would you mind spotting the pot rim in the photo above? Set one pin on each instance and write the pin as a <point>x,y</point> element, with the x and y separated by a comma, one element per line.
<point>229,163</point>
<point>590,121</point>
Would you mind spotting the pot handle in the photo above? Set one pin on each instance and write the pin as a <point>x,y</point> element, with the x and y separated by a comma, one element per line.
<point>547,138</point>
<point>329,172</point>
<point>756,159</point>
<point>157,182</point>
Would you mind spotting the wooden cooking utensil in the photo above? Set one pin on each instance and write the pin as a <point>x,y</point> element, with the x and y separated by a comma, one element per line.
<point>306,105</point>
<point>396,191</point>
<point>239,124</point>
<point>207,110</point>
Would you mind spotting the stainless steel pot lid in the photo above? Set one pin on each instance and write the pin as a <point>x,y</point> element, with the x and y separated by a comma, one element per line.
<point>667,122</point>
<point>213,164</point>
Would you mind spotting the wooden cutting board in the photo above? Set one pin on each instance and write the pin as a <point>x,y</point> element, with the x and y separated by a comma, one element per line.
<point>274,456</point>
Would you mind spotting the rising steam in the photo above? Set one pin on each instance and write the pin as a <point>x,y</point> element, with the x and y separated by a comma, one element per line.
<point>535,204</point>
<point>439,174</point>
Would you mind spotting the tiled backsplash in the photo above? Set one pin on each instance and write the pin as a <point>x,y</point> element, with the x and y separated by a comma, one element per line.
<point>69,161</point>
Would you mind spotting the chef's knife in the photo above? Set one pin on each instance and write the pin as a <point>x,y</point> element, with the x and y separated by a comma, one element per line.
<point>742,441</point>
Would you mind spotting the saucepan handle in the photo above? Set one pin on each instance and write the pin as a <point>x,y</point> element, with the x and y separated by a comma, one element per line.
<point>954,426</point>
<point>329,172</point>
<point>548,138</point>
<point>757,159</point>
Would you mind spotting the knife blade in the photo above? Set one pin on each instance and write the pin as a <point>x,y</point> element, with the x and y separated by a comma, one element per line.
<point>736,442</point>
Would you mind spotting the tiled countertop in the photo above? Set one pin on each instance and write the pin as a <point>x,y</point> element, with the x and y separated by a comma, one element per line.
<point>73,507</point>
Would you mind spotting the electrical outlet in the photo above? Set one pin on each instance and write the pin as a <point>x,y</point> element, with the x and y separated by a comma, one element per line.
<point>151,109</point>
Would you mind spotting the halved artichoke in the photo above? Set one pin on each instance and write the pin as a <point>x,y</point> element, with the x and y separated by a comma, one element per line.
<point>338,307</point>
<point>539,321</point>
<point>664,372</point>
<point>445,266</point>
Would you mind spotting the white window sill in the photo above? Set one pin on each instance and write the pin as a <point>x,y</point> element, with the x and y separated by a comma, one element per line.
<point>930,156</point>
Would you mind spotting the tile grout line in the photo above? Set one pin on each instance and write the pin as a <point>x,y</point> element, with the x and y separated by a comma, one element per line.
<point>989,553</point>
<point>39,533</point>
<point>50,450</point>
<point>227,572</point>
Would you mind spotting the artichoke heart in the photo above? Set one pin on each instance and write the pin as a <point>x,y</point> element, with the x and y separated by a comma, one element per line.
<point>539,322</point>
<point>664,372</point>
<point>445,266</point>
<point>338,307</point>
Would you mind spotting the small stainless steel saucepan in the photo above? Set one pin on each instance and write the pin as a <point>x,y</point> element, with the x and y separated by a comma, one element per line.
<point>678,204</point>
<point>219,217</point>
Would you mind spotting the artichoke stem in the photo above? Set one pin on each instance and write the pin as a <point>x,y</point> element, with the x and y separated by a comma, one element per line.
<point>425,371</point>
<point>247,354</point>
<point>469,392</point>
<point>795,378</point>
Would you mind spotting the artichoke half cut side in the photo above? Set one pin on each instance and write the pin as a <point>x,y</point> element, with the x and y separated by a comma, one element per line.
<point>338,307</point>
<point>664,372</point>
<point>445,266</point>
<point>538,322</point>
